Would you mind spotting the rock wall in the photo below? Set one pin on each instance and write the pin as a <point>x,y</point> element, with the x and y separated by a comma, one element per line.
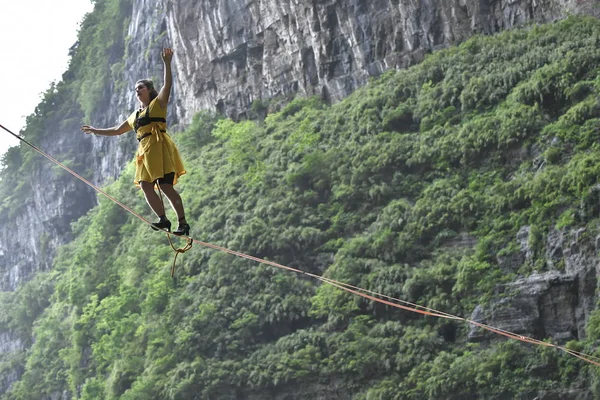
<point>555,304</point>
<point>232,53</point>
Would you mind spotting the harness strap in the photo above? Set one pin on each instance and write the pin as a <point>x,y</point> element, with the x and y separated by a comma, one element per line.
<point>145,135</point>
<point>145,119</point>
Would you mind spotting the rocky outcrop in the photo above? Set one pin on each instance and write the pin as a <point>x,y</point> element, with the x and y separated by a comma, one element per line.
<point>539,306</point>
<point>10,347</point>
<point>10,343</point>
<point>555,304</point>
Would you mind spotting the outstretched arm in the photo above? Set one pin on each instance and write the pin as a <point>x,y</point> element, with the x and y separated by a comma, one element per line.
<point>114,131</point>
<point>165,91</point>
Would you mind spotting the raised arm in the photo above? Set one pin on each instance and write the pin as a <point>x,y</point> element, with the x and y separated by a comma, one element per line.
<point>165,91</point>
<point>114,131</point>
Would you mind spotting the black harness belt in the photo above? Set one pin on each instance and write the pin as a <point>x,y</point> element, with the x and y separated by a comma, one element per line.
<point>145,135</point>
<point>145,120</point>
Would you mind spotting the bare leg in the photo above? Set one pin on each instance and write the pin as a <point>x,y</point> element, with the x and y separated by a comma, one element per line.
<point>152,198</point>
<point>175,200</point>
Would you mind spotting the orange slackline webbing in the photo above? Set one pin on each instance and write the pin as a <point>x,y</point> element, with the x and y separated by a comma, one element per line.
<point>367,294</point>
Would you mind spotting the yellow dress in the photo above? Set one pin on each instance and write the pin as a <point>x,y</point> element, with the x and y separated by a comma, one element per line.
<point>157,154</point>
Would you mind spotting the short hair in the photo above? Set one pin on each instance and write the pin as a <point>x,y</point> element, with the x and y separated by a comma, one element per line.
<point>150,85</point>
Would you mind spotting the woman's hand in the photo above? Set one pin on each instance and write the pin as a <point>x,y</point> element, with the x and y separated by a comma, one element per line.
<point>115,130</point>
<point>89,129</point>
<point>167,55</point>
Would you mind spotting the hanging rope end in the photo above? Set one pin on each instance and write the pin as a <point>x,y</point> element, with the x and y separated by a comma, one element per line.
<point>183,249</point>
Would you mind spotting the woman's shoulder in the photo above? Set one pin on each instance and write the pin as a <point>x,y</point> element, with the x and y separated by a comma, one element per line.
<point>156,108</point>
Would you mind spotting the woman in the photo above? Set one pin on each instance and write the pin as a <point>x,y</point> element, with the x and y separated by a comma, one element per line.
<point>158,159</point>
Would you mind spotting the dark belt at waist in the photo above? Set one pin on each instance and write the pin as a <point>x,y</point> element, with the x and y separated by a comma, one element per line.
<point>145,135</point>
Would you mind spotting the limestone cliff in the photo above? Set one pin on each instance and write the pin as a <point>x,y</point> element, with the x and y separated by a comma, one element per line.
<point>233,53</point>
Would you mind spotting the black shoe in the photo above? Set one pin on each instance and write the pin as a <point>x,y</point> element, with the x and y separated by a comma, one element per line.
<point>182,229</point>
<point>162,224</point>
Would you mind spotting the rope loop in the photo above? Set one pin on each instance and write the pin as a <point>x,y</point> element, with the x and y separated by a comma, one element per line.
<point>178,251</point>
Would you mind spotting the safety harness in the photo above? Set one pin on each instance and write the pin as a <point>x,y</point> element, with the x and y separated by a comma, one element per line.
<point>145,120</point>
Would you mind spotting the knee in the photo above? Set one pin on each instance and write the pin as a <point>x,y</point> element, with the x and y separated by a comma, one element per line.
<point>147,188</point>
<point>171,193</point>
<point>167,189</point>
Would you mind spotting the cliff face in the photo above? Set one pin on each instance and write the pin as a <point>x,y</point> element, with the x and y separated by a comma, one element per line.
<point>231,53</point>
<point>234,52</point>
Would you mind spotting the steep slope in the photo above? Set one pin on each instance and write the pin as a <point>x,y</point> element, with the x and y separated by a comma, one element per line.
<point>468,183</point>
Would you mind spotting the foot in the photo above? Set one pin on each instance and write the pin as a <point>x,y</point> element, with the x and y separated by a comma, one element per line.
<point>162,224</point>
<point>182,229</point>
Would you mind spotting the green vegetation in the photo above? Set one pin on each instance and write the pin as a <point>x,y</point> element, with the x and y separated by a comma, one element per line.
<point>66,103</point>
<point>478,141</point>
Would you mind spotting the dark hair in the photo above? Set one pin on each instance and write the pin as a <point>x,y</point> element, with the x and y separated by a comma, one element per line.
<point>150,85</point>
